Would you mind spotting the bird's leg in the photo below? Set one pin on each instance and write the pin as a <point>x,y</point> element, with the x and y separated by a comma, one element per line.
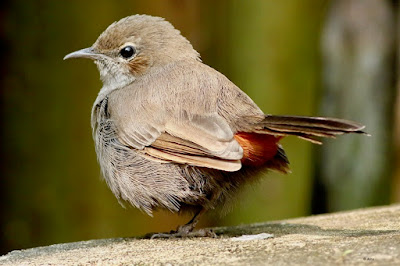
<point>189,226</point>
<point>187,229</point>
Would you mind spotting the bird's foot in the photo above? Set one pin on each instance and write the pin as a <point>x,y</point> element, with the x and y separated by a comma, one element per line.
<point>186,231</point>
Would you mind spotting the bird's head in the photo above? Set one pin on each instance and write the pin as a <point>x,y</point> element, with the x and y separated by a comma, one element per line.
<point>134,45</point>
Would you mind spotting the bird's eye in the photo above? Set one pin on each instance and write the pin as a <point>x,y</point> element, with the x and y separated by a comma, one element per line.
<point>127,52</point>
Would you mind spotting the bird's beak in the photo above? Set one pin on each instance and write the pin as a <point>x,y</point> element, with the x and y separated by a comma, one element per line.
<point>85,53</point>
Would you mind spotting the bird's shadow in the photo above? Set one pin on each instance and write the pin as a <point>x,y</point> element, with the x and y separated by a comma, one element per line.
<point>281,229</point>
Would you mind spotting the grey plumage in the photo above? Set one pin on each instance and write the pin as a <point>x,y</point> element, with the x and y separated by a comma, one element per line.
<point>165,125</point>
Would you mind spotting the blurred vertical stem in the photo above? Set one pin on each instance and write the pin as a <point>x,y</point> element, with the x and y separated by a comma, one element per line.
<point>274,58</point>
<point>396,183</point>
<point>358,58</point>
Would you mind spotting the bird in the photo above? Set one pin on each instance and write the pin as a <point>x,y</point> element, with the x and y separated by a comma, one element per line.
<point>173,133</point>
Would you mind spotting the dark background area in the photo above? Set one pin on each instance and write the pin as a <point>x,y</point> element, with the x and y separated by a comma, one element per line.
<point>299,57</point>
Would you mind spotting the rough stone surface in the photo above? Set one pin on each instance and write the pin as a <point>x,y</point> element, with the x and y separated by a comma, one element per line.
<point>362,237</point>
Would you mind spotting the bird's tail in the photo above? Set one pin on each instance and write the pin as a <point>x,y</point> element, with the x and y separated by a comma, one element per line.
<point>308,128</point>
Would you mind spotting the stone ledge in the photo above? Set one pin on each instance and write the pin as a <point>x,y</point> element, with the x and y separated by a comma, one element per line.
<point>366,236</point>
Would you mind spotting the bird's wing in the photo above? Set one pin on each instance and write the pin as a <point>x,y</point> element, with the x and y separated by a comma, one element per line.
<point>204,141</point>
<point>200,140</point>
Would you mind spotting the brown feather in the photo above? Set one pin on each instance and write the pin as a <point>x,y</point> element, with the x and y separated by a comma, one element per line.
<point>167,142</point>
<point>307,127</point>
<point>168,148</point>
<point>334,124</point>
<point>201,161</point>
<point>139,65</point>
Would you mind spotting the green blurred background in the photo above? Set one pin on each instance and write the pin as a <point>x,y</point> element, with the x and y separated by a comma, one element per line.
<point>51,190</point>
